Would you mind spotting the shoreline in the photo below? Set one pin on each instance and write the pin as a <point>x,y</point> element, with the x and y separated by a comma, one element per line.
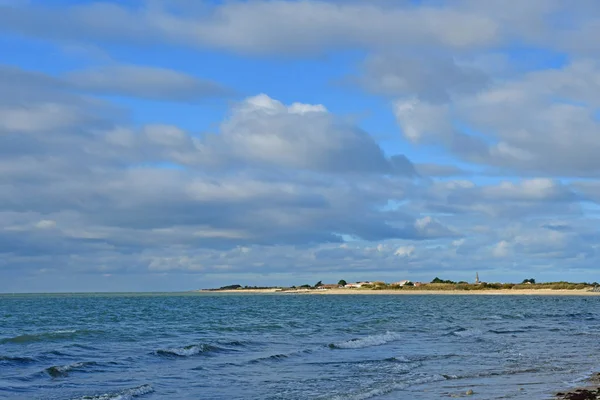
<point>401,292</point>
<point>590,391</point>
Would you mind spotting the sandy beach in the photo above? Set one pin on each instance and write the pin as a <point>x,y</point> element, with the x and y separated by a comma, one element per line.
<point>496,292</point>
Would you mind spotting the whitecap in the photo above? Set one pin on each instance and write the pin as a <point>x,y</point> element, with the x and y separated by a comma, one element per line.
<point>368,341</point>
<point>126,394</point>
<point>187,351</point>
<point>57,371</point>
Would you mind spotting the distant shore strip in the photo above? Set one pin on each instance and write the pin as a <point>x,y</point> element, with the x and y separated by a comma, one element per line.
<point>415,291</point>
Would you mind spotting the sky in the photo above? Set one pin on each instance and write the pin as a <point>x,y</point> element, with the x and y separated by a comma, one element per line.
<point>166,145</point>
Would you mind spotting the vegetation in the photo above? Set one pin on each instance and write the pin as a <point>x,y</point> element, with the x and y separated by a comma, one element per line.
<point>440,284</point>
<point>438,280</point>
<point>555,286</point>
<point>230,287</point>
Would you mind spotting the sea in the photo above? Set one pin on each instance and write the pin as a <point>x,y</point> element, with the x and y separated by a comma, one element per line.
<point>294,346</point>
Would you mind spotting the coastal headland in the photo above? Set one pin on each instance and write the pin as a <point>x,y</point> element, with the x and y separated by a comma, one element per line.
<point>436,287</point>
<point>341,291</point>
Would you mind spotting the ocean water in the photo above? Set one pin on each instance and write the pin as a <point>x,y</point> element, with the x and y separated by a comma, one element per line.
<point>283,346</point>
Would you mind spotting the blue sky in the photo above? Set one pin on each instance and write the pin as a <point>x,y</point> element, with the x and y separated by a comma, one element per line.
<point>174,145</point>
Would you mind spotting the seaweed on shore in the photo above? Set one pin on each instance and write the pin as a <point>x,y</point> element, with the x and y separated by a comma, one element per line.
<point>580,394</point>
<point>584,393</point>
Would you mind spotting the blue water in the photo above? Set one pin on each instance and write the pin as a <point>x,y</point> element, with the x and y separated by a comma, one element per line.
<point>221,346</point>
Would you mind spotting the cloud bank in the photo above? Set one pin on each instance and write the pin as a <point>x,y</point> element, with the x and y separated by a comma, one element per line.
<point>434,139</point>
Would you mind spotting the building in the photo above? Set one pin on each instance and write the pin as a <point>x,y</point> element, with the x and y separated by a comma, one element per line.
<point>357,284</point>
<point>329,286</point>
<point>352,285</point>
<point>401,283</point>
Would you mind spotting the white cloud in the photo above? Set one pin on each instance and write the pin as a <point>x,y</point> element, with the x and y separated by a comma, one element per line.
<point>264,131</point>
<point>306,27</point>
<point>405,251</point>
<point>420,120</point>
<point>541,123</point>
<point>45,224</point>
<point>501,249</point>
<point>145,82</point>
<point>42,117</point>
<point>276,187</point>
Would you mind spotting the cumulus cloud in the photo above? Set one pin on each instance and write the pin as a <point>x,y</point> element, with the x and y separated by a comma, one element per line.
<point>263,131</point>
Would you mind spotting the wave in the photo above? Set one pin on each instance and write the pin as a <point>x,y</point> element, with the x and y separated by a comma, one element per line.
<point>488,374</point>
<point>82,346</point>
<point>389,388</point>
<point>16,360</point>
<point>188,351</point>
<point>506,332</point>
<point>51,353</point>
<point>368,341</point>
<point>126,394</point>
<point>234,343</point>
<point>42,336</point>
<point>64,370</point>
<point>274,357</point>
<point>464,332</point>
<point>279,357</point>
<point>203,348</point>
<point>389,360</point>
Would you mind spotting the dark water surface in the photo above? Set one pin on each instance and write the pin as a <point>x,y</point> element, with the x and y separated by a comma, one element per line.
<point>221,346</point>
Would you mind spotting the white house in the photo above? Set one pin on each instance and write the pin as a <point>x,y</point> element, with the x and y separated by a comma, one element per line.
<point>356,285</point>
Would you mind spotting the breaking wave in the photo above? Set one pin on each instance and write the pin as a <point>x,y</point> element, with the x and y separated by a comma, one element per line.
<point>368,341</point>
<point>464,332</point>
<point>202,348</point>
<point>126,394</point>
<point>64,370</point>
<point>188,351</point>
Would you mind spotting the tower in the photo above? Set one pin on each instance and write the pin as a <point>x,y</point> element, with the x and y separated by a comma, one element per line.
<point>477,278</point>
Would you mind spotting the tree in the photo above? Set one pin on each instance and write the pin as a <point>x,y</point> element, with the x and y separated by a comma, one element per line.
<point>318,284</point>
<point>231,287</point>
<point>438,280</point>
<point>342,282</point>
<point>530,280</point>
<point>409,283</point>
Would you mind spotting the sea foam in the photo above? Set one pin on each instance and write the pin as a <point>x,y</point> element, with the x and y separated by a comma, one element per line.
<point>126,394</point>
<point>188,351</point>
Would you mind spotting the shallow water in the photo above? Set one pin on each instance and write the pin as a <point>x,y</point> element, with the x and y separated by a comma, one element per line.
<point>282,346</point>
